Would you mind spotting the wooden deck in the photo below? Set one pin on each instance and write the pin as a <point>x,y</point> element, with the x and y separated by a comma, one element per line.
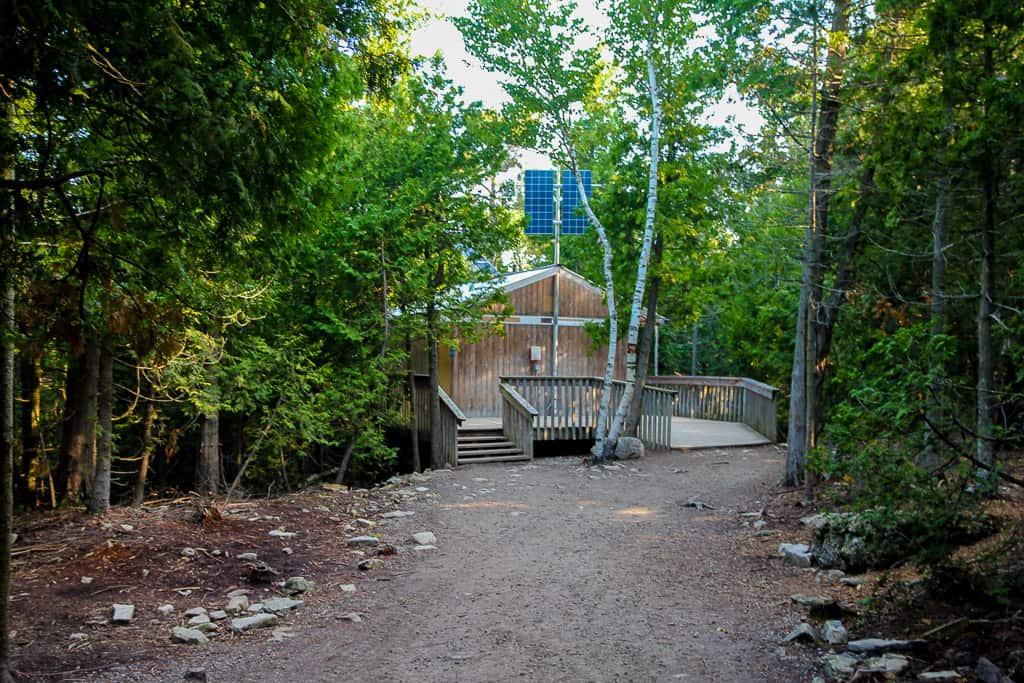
<point>687,433</point>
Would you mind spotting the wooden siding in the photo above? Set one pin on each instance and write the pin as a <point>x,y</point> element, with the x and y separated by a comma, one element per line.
<point>575,299</point>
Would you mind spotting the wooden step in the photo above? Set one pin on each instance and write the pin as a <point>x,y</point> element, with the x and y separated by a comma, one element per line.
<point>481,439</point>
<point>508,449</point>
<point>498,458</point>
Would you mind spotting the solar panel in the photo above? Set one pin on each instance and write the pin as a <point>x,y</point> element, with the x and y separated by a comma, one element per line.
<point>540,202</point>
<point>574,222</point>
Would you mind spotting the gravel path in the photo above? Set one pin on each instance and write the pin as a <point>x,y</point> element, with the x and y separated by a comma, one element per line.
<point>553,571</point>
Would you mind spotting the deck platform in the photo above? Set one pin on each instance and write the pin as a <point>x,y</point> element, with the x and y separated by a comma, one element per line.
<point>687,433</point>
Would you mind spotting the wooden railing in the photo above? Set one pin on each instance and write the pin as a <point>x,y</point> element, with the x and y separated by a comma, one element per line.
<point>728,399</point>
<point>517,418</point>
<point>451,418</point>
<point>567,407</point>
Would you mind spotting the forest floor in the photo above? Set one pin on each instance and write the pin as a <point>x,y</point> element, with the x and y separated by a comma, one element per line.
<point>548,571</point>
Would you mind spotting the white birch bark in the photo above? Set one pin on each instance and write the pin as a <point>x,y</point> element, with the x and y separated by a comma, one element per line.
<point>645,256</point>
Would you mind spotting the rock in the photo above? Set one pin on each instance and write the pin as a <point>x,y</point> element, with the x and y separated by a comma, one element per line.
<point>425,547</point>
<point>887,664</point>
<point>86,580</point>
<point>243,624</point>
<point>198,620</point>
<point>255,608</point>
<point>940,676</point>
<point>629,448</point>
<point>194,612</point>
<point>365,523</point>
<point>188,636</point>
<point>165,610</point>
<point>123,614</point>
<point>280,533</point>
<point>247,557</point>
<point>281,605</point>
<point>78,637</point>
<point>354,617</point>
<point>238,591</point>
<point>796,554</point>
<point>287,551</point>
<point>347,588</point>
<point>424,538</point>
<point>835,633</point>
<point>853,580</point>
<point>188,552</point>
<point>362,542</point>
<point>803,633</point>
<point>395,514</point>
<point>760,524</point>
<point>874,646</point>
<point>206,627</point>
<point>840,667</point>
<point>196,675</point>
<point>236,604</point>
<point>987,671</point>
<point>297,584</point>
<point>371,564</point>
<point>810,601</point>
<point>218,615</point>
<point>281,634</point>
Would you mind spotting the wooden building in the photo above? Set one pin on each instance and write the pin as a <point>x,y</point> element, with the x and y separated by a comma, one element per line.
<point>524,346</point>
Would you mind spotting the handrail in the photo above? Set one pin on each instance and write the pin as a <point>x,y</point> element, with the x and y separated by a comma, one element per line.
<point>517,418</point>
<point>730,399</point>
<point>452,406</point>
<point>759,388</point>
<point>520,403</point>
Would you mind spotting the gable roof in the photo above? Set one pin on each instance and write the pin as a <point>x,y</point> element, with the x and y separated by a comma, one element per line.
<point>510,282</point>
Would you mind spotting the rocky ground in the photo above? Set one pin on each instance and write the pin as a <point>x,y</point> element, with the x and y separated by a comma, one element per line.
<point>666,568</point>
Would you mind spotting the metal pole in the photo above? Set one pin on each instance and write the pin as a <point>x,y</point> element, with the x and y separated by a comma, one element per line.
<point>558,262</point>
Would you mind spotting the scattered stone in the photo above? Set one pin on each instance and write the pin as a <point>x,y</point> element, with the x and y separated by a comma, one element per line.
<point>196,675</point>
<point>86,580</point>
<point>424,538</point>
<point>282,633</point>
<point>760,524</point>
<point>835,633</point>
<point>940,676</point>
<point>123,614</point>
<point>810,601</point>
<point>279,533</point>
<point>365,523</point>
<point>821,607</point>
<point>371,564</point>
<point>768,532</point>
<point>243,624</point>
<point>78,636</point>
<point>887,664</point>
<point>287,551</point>
<point>218,615</point>
<point>188,636</point>
<point>165,610</point>
<point>874,646</point>
<point>987,671</point>
<point>751,515</point>
<point>198,620</point>
<point>629,448</point>
<point>853,581</point>
<point>188,552</point>
<point>247,557</point>
<point>238,591</point>
<point>796,554</point>
<point>698,505</point>
<point>840,667</point>
<point>354,617</point>
<point>280,605</point>
<point>297,584</point>
<point>347,588</point>
<point>395,514</point>
<point>236,604</point>
<point>207,627</point>
<point>422,489</point>
<point>363,542</point>
<point>425,547</point>
<point>803,633</point>
<point>255,608</point>
<point>194,611</point>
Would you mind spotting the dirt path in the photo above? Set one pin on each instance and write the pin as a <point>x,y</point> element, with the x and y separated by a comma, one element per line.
<point>555,572</point>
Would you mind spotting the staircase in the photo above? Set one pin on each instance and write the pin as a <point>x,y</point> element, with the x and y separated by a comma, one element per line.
<point>486,445</point>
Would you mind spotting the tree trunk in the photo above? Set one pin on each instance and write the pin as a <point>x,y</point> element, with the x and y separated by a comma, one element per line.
<point>208,480</point>
<point>645,256</point>
<point>99,503</point>
<point>345,460</point>
<point>91,387</point>
<point>987,294</point>
<point>433,369</point>
<point>414,429</point>
<point>77,423</point>
<point>643,359</point>
<point>7,330</point>
<point>31,423</point>
<point>147,451</point>
<point>940,233</point>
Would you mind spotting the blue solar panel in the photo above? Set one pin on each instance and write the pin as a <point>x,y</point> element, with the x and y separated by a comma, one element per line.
<point>540,202</point>
<point>574,222</point>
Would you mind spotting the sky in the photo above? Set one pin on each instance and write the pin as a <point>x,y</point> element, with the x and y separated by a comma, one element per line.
<point>440,35</point>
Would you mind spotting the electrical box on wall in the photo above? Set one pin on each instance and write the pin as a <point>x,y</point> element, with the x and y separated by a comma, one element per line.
<point>535,354</point>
